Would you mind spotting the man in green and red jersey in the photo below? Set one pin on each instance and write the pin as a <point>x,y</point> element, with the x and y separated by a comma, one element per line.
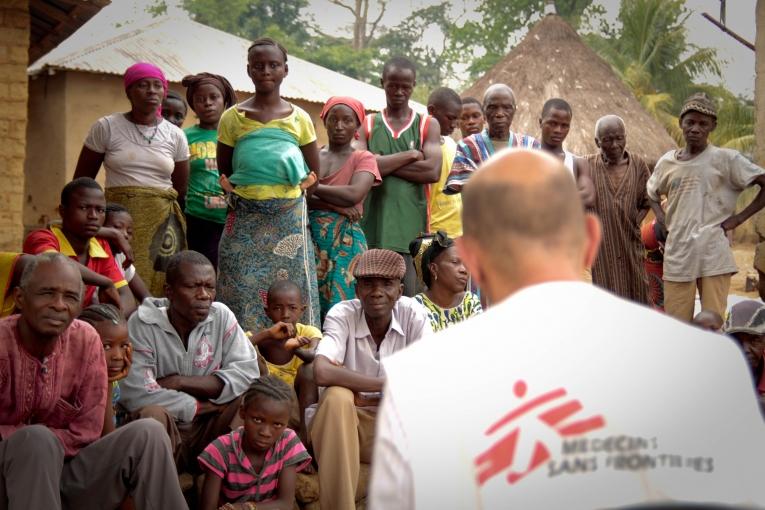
<point>408,150</point>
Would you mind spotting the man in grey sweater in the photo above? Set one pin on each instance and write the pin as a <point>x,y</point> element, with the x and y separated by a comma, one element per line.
<point>191,360</point>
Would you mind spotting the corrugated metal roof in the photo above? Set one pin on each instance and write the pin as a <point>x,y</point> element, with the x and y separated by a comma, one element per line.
<point>181,46</point>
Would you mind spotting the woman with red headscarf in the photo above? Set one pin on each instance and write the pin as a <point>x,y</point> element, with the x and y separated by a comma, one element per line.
<point>146,160</point>
<point>345,177</point>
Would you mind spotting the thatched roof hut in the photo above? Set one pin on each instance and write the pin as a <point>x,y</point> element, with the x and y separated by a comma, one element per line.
<point>552,61</point>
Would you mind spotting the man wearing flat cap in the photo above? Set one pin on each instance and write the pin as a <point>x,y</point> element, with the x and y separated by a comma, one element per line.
<point>358,334</point>
<point>701,183</point>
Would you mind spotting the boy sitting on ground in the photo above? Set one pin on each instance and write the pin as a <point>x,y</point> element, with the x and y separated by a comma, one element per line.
<point>288,346</point>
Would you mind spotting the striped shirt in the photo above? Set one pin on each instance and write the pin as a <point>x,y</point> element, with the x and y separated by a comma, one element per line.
<point>474,150</point>
<point>226,459</point>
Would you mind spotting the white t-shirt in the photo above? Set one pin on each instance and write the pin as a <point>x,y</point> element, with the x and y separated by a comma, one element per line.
<point>565,396</point>
<point>128,272</point>
<point>129,159</point>
<point>701,194</point>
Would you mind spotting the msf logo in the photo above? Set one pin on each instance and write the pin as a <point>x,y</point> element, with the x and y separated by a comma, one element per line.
<point>501,455</point>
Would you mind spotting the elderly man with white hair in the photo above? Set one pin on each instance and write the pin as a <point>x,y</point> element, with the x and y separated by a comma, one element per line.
<point>621,203</point>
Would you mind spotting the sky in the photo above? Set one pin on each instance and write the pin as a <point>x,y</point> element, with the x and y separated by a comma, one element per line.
<point>737,61</point>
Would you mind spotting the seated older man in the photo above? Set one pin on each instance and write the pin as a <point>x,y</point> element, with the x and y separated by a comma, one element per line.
<point>358,334</point>
<point>52,400</point>
<point>191,360</point>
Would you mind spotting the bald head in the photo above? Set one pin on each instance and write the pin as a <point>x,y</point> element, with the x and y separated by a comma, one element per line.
<point>498,88</point>
<point>519,205</point>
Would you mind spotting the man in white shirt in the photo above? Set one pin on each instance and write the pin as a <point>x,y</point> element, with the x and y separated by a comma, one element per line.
<point>358,334</point>
<point>561,395</point>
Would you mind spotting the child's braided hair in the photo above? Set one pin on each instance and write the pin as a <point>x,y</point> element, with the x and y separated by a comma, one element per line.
<point>102,312</point>
<point>268,386</point>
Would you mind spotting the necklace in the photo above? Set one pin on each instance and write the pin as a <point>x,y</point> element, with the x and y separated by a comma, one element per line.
<point>148,139</point>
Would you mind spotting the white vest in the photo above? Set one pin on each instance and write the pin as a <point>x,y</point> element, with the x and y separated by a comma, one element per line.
<point>564,396</point>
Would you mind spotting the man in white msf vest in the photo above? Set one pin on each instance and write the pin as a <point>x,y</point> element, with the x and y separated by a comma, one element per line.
<point>560,395</point>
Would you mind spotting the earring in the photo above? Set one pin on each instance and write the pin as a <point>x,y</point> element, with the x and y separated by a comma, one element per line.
<point>435,276</point>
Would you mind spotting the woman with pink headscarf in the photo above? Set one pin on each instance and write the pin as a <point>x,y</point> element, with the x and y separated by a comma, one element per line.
<point>146,160</point>
<point>345,177</point>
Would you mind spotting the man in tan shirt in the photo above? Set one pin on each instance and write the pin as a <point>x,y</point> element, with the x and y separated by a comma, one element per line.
<point>702,183</point>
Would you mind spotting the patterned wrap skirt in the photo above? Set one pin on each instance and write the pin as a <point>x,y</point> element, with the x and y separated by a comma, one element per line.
<point>264,241</point>
<point>338,242</point>
<point>159,230</point>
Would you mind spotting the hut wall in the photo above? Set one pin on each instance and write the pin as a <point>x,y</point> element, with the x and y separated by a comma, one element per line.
<point>62,107</point>
<point>45,166</point>
<point>14,51</point>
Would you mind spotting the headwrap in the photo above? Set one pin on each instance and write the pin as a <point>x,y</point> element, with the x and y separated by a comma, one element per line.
<point>439,244</point>
<point>142,70</point>
<point>193,81</point>
<point>378,263</point>
<point>699,102</point>
<point>353,104</point>
<point>746,317</point>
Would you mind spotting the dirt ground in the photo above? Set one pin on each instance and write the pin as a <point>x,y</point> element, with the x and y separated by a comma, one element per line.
<point>744,254</point>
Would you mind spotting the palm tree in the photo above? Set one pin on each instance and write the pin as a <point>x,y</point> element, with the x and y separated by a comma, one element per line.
<point>651,54</point>
<point>735,122</point>
<point>650,51</point>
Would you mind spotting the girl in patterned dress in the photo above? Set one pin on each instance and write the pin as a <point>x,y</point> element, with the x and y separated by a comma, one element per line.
<point>267,150</point>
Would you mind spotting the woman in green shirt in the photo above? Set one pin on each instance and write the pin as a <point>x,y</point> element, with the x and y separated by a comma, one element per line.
<point>208,95</point>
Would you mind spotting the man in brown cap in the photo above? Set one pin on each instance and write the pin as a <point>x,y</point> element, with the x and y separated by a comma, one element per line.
<point>702,183</point>
<point>358,334</point>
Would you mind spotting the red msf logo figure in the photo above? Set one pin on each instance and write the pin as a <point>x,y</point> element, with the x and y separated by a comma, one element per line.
<point>501,455</point>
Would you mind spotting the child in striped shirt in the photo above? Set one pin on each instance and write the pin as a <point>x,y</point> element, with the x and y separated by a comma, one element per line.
<point>258,462</point>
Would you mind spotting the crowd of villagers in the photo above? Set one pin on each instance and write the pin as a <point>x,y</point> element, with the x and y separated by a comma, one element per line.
<point>212,321</point>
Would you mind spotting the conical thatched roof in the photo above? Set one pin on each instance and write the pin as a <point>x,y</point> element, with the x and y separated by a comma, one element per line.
<point>552,61</point>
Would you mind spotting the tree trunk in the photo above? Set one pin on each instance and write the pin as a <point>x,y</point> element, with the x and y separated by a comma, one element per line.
<point>759,85</point>
<point>360,24</point>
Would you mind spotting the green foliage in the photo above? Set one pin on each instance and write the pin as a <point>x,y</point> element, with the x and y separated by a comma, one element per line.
<point>647,47</point>
<point>735,120</point>
<point>479,44</point>
<point>405,39</point>
<point>486,41</point>
<point>284,21</point>
<point>251,19</point>
<point>650,50</point>
<point>337,54</point>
